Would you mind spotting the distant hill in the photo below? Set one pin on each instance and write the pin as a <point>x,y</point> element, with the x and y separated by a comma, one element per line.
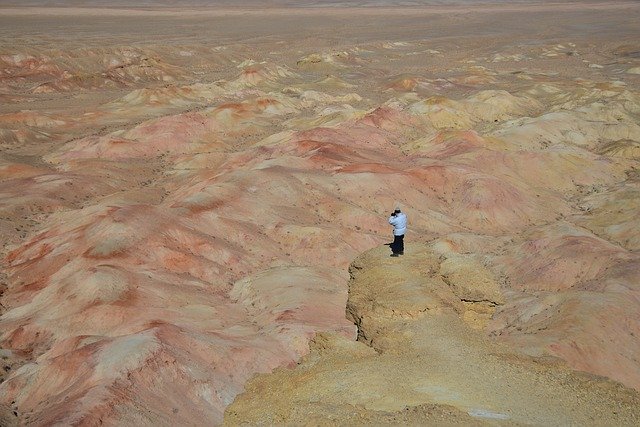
<point>250,3</point>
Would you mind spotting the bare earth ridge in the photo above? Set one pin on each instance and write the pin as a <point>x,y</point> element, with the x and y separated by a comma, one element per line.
<point>421,360</point>
<point>183,191</point>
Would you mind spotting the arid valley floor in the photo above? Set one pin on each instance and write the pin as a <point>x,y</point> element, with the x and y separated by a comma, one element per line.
<point>190,197</point>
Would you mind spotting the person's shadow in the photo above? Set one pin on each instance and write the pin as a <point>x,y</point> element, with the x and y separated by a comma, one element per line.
<point>390,244</point>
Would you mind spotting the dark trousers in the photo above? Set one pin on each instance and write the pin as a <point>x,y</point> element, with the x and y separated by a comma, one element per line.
<point>397,246</point>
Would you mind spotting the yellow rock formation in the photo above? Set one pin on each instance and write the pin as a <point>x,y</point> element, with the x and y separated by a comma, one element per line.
<point>418,362</point>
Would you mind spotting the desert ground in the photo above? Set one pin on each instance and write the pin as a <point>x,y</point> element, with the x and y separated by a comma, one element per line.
<point>194,203</point>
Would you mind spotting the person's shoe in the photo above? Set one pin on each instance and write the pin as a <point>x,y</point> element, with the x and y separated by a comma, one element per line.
<point>394,255</point>
<point>401,253</point>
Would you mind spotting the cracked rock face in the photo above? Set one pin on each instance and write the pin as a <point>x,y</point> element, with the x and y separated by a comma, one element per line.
<point>411,289</point>
<point>419,359</point>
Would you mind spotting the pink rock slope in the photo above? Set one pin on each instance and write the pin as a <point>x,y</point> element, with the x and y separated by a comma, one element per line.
<point>177,217</point>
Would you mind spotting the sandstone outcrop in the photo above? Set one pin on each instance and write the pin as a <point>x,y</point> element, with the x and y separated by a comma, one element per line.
<point>178,211</point>
<point>417,361</point>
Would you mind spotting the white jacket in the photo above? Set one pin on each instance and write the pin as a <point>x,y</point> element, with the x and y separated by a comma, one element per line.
<point>399,222</point>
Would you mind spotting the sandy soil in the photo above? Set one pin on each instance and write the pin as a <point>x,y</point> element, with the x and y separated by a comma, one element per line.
<point>182,192</point>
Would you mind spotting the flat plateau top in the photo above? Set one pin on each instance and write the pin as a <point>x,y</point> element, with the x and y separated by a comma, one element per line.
<point>299,8</point>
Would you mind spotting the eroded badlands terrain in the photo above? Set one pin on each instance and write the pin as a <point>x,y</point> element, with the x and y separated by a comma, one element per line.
<point>421,359</point>
<point>182,194</point>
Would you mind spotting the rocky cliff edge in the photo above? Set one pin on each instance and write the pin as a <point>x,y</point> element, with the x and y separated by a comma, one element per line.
<point>422,358</point>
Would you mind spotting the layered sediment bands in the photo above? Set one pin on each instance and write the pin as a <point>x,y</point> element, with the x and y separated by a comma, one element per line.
<point>178,213</point>
<point>418,361</point>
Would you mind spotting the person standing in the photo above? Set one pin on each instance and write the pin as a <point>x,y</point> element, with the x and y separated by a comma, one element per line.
<point>399,222</point>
